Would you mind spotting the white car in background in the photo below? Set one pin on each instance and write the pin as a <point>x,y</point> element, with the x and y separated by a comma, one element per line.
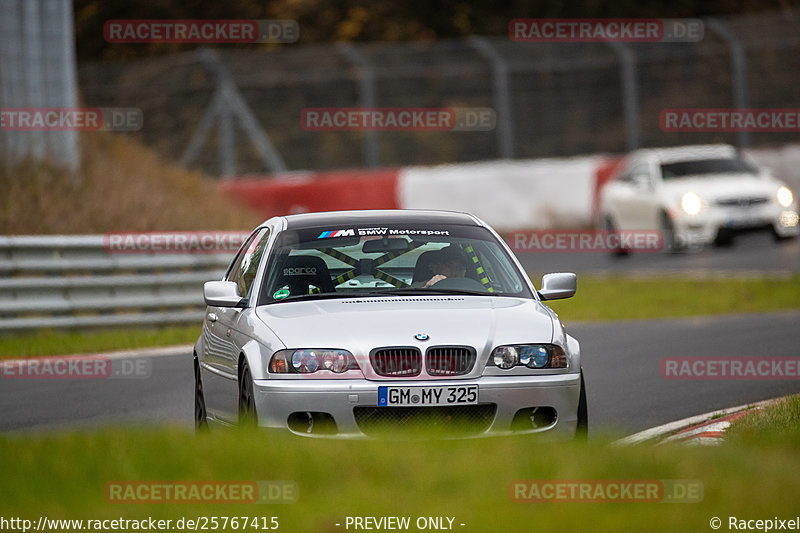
<point>696,195</point>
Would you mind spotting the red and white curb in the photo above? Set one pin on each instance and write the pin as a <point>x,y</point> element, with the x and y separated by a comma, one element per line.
<point>707,429</point>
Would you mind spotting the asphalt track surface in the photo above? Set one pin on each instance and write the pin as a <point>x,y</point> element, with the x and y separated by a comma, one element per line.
<point>750,254</point>
<point>621,362</point>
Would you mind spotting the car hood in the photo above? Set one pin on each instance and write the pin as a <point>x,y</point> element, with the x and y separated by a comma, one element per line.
<point>722,186</point>
<point>361,324</point>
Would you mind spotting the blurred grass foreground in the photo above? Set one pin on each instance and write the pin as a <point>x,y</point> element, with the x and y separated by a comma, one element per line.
<point>476,482</point>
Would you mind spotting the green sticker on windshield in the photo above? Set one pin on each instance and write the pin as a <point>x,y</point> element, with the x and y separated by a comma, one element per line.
<point>281,294</point>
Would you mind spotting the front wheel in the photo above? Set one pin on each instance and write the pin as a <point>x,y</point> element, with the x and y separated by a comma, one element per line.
<point>670,241</point>
<point>200,413</point>
<point>247,401</point>
<point>582,429</point>
<point>611,229</point>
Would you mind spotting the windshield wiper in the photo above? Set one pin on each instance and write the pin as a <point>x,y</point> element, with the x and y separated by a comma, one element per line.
<point>317,296</point>
<point>419,291</point>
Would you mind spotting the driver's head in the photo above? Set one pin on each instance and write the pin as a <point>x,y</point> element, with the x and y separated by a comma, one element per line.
<point>450,262</point>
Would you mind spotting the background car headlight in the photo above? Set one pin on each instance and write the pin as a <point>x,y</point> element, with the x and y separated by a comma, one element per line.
<point>691,203</point>
<point>785,197</point>
<point>528,355</point>
<point>310,360</point>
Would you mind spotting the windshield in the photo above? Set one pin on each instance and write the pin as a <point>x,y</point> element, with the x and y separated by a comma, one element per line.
<point>702,167</point>
<point>328,262</point>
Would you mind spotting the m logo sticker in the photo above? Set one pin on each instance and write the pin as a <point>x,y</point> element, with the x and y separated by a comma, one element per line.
<point>337,233</point>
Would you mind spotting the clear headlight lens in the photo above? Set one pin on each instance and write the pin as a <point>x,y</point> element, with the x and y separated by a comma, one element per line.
<point>505,356</point>
<point>691,203</point>
<point>534,356</point>
<point>305,361</point>
<point>785,197</point>
<point>308,361</point>
<point>529,355</point>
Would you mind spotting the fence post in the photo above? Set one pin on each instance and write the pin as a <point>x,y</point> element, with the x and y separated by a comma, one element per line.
<point>226,104</point>
<point>738,72</point>
<point>367,98</point>
<point>501,89</point>
<point>630,94</point>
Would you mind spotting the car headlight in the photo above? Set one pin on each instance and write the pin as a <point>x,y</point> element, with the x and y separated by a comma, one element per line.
<point>308,361</point>
<point>691,203</point>
<point>528,355</point>
<point>785,197</point>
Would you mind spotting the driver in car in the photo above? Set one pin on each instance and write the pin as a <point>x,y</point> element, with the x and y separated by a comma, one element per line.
<point>449,262</point>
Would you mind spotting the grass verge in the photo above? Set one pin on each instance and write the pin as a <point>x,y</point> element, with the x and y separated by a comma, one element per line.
<point>43,343</point>
<point>122,186</point>
<point>64,476</point>
<point>618,298</point>
<point>597,299</point>
<point>777,423</point>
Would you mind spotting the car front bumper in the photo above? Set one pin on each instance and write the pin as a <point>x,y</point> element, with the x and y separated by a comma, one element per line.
<point>351,404</point>
<point>703,228</point>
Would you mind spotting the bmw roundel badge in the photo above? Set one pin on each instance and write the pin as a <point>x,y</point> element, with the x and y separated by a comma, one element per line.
<point>421,336</point>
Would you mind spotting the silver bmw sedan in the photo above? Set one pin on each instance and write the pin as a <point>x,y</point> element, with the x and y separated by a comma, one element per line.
<point>357,324</point>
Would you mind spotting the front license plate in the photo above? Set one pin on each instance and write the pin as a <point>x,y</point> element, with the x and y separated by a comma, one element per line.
<point>451,395</point>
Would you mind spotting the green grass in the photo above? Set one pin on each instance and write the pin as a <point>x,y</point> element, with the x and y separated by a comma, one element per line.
<point>597,299</point>
<point>777,423</point>
<point>618,298</point>
<point>43,343</point>
<point>64,475</point>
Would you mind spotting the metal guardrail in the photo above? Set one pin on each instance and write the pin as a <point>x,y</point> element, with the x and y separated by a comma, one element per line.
<point>75,281</point>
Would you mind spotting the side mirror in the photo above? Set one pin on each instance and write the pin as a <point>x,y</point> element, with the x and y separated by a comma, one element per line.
<point>223,294</point>
<point>559,285</point>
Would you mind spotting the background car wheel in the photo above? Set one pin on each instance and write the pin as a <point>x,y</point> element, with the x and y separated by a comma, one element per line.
<point>724,238</point>
<point>582,429</point>
<point>247,401</point>
<point>610,228</point>
<point>200,414</point>
<point>668,234</point>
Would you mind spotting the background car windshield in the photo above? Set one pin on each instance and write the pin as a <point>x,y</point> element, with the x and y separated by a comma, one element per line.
<point>706,167</point>
<point>355,261</point>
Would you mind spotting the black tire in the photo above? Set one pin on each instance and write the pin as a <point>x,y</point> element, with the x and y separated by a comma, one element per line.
<point>668,233</point>
<point>611,229</point>
<point>724,238</point>
<point>582,428</point>
<point>200,413</point>
<point>247,401</point>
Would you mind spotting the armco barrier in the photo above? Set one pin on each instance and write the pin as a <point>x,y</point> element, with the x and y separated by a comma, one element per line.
<point>74,281</point>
